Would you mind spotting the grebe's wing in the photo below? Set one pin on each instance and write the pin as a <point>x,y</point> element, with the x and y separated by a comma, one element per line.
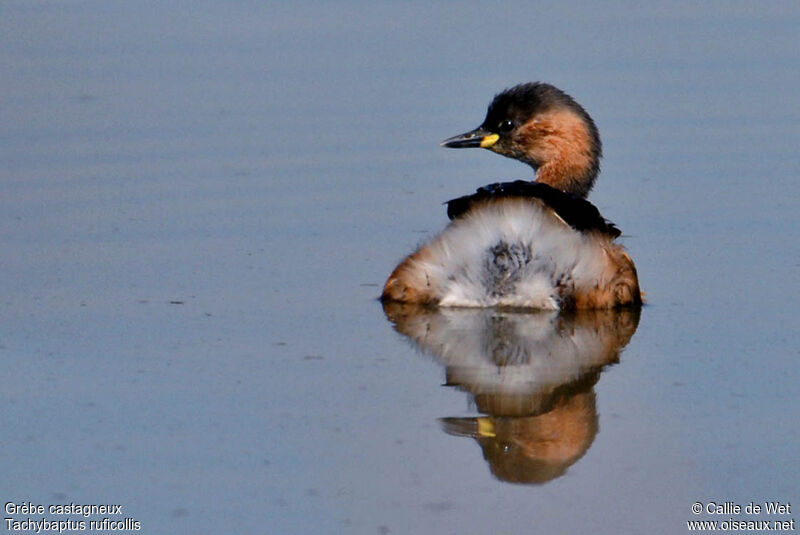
<point>576,211</point>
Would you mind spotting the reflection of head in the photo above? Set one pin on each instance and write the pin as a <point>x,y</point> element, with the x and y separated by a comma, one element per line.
<point>532,374</point>
<point>535,449</point>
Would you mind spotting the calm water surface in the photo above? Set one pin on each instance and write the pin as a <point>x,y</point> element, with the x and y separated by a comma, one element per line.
<point>200,201</point>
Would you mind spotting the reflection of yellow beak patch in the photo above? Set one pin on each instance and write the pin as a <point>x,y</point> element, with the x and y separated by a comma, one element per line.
<point>485,428</point>
<point>489,140</point>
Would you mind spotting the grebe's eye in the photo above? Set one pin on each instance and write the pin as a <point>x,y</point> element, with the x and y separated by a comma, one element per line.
<point>505,126</point>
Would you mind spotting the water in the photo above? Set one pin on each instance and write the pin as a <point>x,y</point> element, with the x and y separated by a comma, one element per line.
<point>200,201</point>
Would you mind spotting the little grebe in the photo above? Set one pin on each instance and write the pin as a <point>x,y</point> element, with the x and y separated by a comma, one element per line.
<point>525,244</point>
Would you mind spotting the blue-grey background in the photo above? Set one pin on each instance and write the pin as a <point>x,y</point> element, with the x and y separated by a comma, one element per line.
<point>200,200</point>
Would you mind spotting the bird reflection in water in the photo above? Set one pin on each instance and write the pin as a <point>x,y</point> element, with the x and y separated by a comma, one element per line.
<point>531,374</point>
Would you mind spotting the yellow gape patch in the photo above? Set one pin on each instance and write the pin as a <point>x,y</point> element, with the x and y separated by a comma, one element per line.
<point>485,427</point>
<point>489,140</point>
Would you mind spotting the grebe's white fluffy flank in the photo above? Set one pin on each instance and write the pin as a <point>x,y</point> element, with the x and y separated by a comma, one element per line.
<point>515,252</point>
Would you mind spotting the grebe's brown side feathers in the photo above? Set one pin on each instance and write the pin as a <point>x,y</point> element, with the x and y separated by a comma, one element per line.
<point>620,287</point>
<point>409,283</point>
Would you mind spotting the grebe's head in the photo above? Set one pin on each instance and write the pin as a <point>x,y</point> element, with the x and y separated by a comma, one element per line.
<point>540,125</point>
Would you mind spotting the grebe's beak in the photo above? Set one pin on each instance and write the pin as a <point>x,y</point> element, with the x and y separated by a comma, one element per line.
<point>476,138</point>
<point>469,427</point>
